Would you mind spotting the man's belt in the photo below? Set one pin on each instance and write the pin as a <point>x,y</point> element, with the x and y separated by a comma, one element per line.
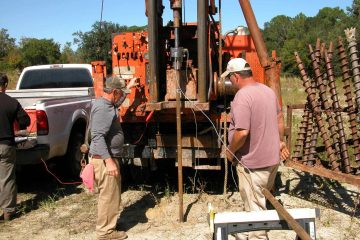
<point>95,156</point>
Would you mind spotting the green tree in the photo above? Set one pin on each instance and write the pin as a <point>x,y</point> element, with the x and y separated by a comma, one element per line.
<point>328,24</point>
<point>276,32</point>
<point>354,10</point>
<point>287,35</point>
<point>68,55</point>
<point>96,43</point>
<point>39,51</point>
<point>296,42</point>
<point>287,55</point>
<point>6,43</point>
<point>14,59</point>
<point>354,19</point>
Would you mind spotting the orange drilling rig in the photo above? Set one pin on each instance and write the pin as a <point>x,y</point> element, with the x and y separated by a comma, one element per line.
<point>179,110</point>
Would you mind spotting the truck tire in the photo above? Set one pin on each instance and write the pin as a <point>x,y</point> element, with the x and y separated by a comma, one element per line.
<point>73,155</point>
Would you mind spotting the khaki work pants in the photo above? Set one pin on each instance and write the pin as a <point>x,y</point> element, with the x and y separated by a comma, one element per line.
<point>250,184</point>
<point>8,190</point>
<point>109,199</point>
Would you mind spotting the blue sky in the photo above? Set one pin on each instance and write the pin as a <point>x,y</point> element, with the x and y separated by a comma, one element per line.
<point>58,19</point>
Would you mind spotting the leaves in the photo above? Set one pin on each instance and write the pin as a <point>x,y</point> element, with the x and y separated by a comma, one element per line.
<point>39,51</point>
<point>68,55</point>
<point>6,43</point>
<point>287,35</point>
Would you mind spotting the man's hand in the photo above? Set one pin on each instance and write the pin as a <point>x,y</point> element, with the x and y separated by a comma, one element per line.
<point>21,133</point>
<point>133,83</point>
<point>230,157</point>
<point>284,151</point>
<point>111,168</point>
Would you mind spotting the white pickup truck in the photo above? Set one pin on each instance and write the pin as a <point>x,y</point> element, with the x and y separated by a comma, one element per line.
<point>58,100</point>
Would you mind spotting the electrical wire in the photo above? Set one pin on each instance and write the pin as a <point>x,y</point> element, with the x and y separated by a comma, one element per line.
<point>57,179</point>
<point>101,14</point>
<point>235,157</point>
<point>148,118</point>
<point>196,126</point>
<point>219,137</point>
<point>52,174</point>
<point>184,7</point>
<point>100,23</point>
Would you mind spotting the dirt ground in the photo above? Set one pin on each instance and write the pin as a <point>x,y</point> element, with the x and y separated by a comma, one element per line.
<point>48,210</point>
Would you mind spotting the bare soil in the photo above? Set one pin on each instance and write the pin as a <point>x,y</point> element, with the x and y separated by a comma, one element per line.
<point>48,210</point>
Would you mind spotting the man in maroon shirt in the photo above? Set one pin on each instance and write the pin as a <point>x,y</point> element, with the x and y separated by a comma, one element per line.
<point>255,138</point>
<point>10,112</point>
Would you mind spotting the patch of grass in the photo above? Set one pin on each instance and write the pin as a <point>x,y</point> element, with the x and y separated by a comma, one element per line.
<point>198,186</point>
<point>292,91</point>
<point>296,122</point>
<point>49,203</point>
<point>327,222</point>
<point>164,190</point>
<point>167,191</point>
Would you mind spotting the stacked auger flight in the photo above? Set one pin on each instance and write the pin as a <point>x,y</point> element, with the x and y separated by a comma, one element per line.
<point>324,115</point>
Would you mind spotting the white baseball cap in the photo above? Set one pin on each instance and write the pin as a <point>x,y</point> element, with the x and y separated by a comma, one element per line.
<point>236,65</point>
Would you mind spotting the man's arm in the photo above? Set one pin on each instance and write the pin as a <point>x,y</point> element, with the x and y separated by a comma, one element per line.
<point>22,117</point>
<point>236,143</point>
<point>284,151</point>
<point>132,83</point>
<point>281,126</point>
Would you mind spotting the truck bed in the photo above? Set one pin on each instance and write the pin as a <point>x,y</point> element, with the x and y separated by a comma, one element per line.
<point>29,97</point>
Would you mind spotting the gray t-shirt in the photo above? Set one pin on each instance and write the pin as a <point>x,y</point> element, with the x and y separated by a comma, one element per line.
<point>255,108</point>
<point>107,137</point>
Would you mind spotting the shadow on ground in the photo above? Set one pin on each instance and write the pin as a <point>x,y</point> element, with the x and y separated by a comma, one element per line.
<point>323,191</point>
<point>36,186</point>
<point>135,213</point>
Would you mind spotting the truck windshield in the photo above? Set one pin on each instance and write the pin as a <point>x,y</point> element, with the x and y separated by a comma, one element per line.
<point>56,78</point>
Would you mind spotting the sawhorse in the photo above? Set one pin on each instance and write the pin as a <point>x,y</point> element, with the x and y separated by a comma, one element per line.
<point>237,222</point>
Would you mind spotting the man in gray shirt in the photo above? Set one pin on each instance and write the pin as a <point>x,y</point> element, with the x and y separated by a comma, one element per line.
<point>107,141</point>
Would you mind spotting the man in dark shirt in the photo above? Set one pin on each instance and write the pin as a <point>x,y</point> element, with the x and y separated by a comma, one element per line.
<point>10,112</point>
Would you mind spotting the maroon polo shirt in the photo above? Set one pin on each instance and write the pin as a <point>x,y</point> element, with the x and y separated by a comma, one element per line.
<point>255,108</point>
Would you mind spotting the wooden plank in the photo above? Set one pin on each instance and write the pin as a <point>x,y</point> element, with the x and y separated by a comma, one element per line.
<point>207,167</point>
<point>203,141</point>
<point>172,104</point>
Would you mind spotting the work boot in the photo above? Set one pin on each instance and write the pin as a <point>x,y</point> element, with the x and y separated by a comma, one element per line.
<point>115,235</point>
<point>7,217</point>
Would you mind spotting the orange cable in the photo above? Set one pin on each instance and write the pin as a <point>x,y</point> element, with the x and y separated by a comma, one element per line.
<point>65,183</point>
